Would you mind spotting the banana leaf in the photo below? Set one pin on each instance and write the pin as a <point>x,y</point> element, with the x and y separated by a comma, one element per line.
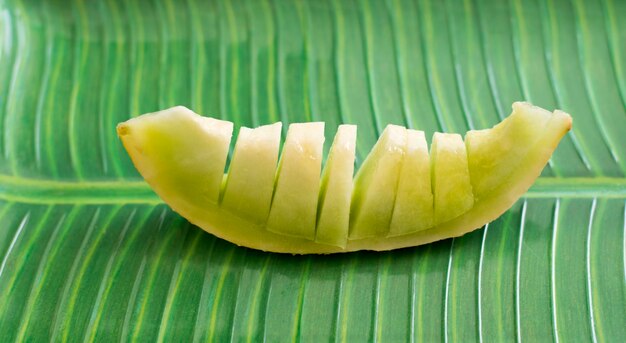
<point>89,253</point>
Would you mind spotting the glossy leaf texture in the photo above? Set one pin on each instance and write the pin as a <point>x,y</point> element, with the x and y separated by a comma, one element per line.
<point>89,253</point>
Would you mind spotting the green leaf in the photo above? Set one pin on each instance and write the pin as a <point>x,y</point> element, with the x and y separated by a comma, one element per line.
<point>88,252</point>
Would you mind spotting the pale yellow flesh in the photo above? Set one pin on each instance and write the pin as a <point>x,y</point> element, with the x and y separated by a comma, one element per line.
<point>294,213</point>
<point>413,209</point>
<point>181,177</point>
<point>496,149</point>
<point>336,191</point>
<point>202,211</point>
<point>375,185</point>
<point>252,172</point>
<point>452,190</point>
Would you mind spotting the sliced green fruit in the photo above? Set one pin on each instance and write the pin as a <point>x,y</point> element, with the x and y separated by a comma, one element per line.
<point>494,153</point>
<point>452,189</point>
<point>182,156</point>
<point>414,209</point>
<point>336,190</point>
<point>375,185</point>
<point>156,152</point>
<point>294,207</point>
<point>252,172</point>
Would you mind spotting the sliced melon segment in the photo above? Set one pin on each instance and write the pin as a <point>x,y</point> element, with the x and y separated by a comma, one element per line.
<point>164,159</point>
<point>294,206</point>
<point>450,177</point>
<point>414,209</point>
<point>493,153</point>
<point>182,156</point>
<point>250,182</point>
<point>375,185</point>
<point>336,189</point>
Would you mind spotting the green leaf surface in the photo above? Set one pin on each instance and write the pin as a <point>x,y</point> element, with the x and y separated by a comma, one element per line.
<point>89,253</point>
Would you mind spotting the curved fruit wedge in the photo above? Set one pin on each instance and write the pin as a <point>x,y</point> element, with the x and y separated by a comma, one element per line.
<point>450,177</point>
<point>495,152</point>
<point>294,205</point>
<point>194,178</point>
<point>400,196</point>
<point>375,185</point>
<point>336,191</point>
<point>414,209</point>
<point>250,183</point>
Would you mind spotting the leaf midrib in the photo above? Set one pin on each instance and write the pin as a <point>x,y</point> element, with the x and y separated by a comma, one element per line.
<point>45,191</point>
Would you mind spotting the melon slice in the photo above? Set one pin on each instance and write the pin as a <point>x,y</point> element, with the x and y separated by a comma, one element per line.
<point>375,185</point>
<point>182,156</point>
<point>414,209</point>
<point>336,189</point>
<point>495,153</point>
<point>194,178</point>
<point>250,184</point>
<point>294,206</point>
<point>450,177</point>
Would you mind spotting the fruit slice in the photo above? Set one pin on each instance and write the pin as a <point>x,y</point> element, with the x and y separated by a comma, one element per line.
<point>252,172</point>
<point>495,153</point>
<point>413,210</point>
<point>182,156</point>
<point>336,189</point>
<point>179,177</point>
<point>375,185</point>
<point>450,177</point>
<point>294,207</point>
